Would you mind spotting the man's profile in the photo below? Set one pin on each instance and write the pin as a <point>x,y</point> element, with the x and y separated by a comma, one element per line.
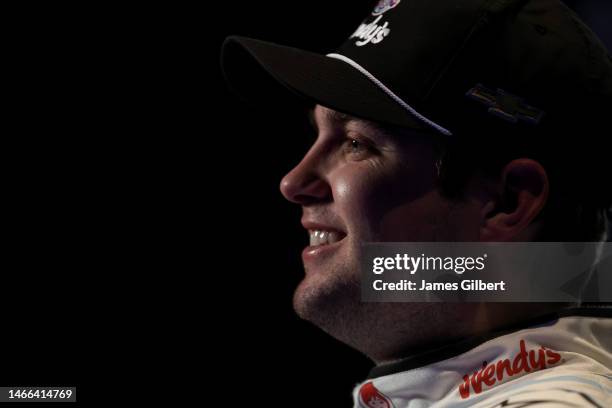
<point>466,134</point>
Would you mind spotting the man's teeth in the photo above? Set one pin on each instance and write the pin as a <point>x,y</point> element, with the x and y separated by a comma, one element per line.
<point>323,237</point>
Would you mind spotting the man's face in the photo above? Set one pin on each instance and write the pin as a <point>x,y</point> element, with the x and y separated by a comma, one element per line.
<point>359,183</point>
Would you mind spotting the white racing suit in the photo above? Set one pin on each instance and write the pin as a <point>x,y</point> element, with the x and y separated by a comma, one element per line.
<point>563,362</point>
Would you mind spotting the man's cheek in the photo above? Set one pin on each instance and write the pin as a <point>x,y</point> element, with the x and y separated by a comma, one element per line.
<point>415,220</point>
<point>364,197</point>
<point>342,188</point>
<point>357,199</point>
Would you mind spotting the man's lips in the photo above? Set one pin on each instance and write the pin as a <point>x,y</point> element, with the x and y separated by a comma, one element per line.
<point>324,239</point>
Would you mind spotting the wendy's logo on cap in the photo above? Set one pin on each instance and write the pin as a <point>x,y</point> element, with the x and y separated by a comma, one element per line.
<point>384,5</point>
<point>375,31</point>
<point>370,397</point>
<point>371,33</point>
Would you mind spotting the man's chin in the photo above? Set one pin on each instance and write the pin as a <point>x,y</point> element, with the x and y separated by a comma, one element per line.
<point>334,305</point>
<point>320,298</point>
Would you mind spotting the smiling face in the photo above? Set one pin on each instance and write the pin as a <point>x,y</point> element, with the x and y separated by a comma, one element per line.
<point>362,183</point>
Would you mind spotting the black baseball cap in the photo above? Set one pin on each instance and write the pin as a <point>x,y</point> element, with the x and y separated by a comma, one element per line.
<point>445,65</point>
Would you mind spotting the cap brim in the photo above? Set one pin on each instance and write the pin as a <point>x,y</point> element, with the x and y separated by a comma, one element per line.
<point>253,68</point>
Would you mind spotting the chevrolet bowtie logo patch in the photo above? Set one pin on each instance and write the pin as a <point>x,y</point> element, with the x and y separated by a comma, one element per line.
<point>505,105</point>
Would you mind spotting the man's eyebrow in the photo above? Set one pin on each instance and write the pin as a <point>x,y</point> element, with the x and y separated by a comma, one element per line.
<point>335,117</point>
<point>339,118</point>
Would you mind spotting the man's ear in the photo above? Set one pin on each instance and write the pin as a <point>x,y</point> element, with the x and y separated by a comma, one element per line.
<point>521,194</point>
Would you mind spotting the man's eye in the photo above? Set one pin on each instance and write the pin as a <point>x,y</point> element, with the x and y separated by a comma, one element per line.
<point>356,147</point>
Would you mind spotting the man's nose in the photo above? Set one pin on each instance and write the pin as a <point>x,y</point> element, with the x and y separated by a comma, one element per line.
<point>304,185</point>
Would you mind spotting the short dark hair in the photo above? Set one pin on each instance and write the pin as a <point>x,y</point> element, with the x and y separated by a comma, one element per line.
<point>579,175</point>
